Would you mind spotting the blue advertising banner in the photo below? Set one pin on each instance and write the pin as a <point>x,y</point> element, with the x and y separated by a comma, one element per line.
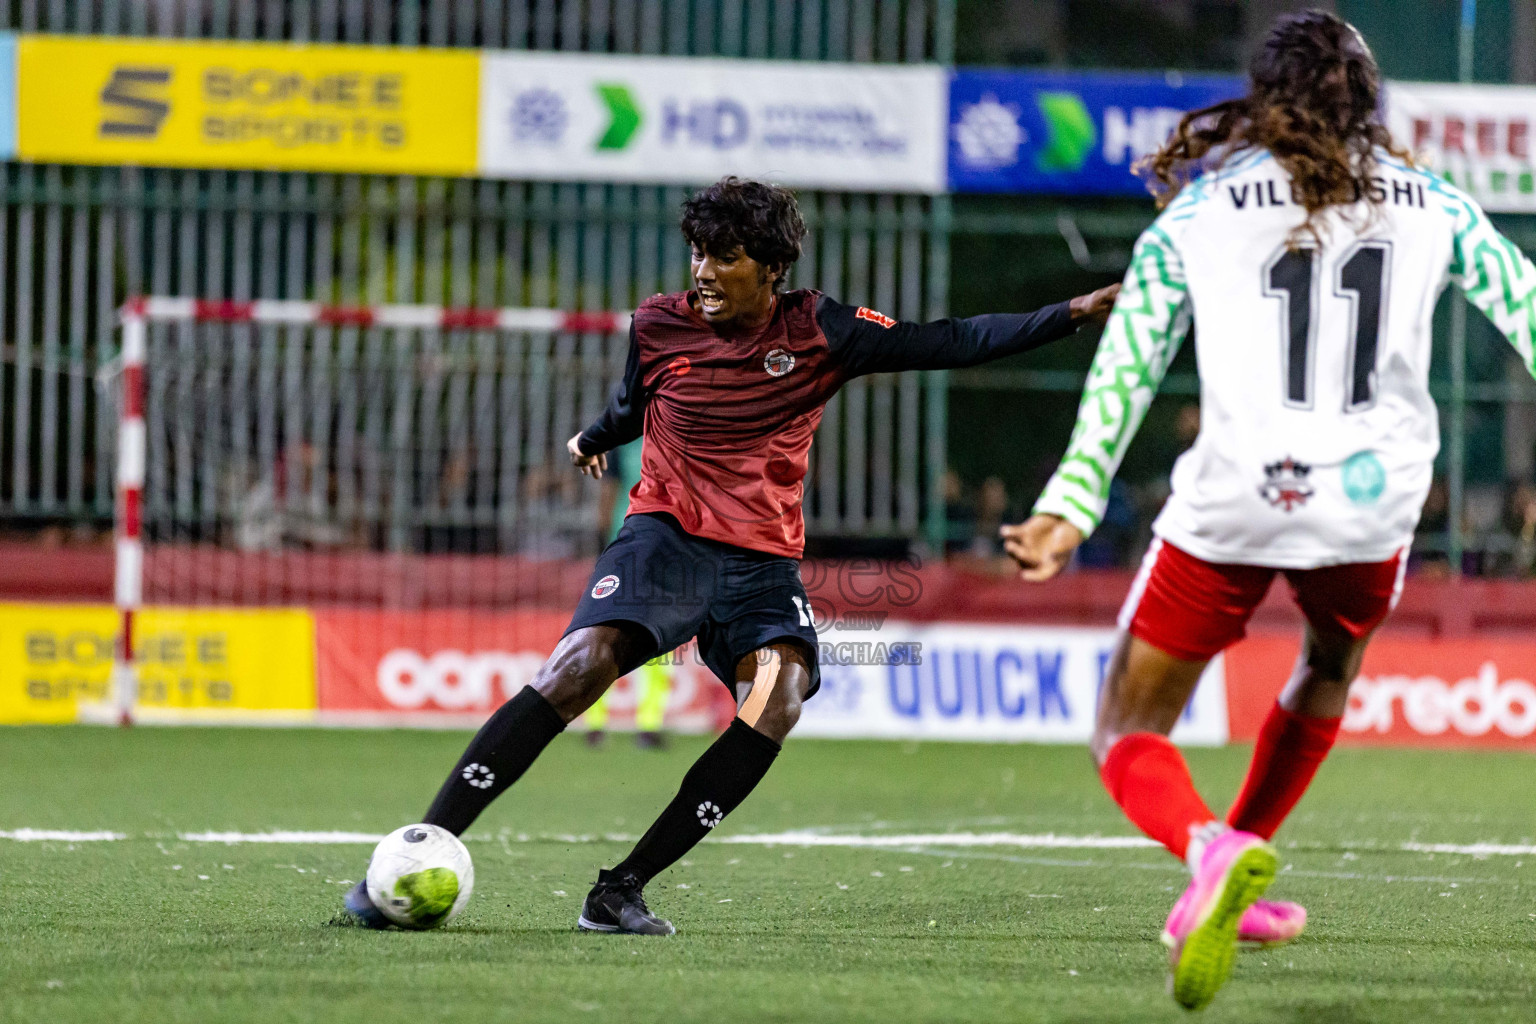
<point>1064,131</point>
<point>7,95</point>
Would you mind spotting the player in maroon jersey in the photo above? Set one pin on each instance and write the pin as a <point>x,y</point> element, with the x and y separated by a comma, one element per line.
<point>726,383</point>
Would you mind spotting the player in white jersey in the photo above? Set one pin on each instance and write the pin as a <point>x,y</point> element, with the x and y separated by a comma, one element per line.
<point>1309,254</point>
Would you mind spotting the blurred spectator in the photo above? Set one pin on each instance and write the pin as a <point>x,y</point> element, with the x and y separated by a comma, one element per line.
<point>959,517</point>
<point>1431,539</point>
<point>1113,544</point>
<point>991,513</point>
<point>1511,550</point>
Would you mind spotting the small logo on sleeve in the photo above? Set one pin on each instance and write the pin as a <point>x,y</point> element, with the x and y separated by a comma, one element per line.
<point>865,313</point>
<point>605,586</point>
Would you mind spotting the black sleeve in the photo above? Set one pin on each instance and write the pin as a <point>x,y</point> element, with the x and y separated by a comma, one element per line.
<point>871,343</point>
<point>624,418</point>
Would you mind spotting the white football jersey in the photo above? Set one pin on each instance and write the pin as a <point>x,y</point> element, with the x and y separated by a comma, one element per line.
<point>1317,431</point>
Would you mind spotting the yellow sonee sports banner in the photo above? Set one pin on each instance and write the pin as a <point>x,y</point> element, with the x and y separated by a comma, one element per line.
<point>201,665</point>
<point>96,100</point>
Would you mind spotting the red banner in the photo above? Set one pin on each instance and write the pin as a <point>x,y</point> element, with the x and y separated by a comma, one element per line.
<point>1411,692</point>
<point>455,667</point>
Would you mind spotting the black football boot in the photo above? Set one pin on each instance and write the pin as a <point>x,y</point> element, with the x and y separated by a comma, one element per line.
<point>615,905</point>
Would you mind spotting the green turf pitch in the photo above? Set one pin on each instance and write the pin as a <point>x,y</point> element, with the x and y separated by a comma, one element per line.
<point>158,929</point>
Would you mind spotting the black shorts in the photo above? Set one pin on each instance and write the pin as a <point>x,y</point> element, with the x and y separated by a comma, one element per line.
<point>679,586</point>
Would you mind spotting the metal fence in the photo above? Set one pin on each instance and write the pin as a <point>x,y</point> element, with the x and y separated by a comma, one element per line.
<point>75,241</point>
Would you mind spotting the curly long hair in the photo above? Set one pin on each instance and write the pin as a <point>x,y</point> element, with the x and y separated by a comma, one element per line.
<point>763,219</point>
<point>1313,96</point>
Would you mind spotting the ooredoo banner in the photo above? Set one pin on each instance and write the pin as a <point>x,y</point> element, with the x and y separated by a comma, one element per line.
<point>452,668</point>
<point>195,665</point>
<point>668,119</point>
<point>1410,692</point>
<point>100,100</point>
<point>1478,136</point>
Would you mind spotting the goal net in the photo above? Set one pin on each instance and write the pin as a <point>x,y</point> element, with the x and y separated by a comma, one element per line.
<point>350,513</point>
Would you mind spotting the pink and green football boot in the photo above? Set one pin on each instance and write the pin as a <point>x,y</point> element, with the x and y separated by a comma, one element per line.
<point>1202,931</point>
<point>1271,923</point>
<point>1266,924</point>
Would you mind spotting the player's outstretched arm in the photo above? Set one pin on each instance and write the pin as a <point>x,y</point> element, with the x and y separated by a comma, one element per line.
<point>620,423</point>
<point>869,342</point>
<point>1149,322</point>
<point>1496,277</point>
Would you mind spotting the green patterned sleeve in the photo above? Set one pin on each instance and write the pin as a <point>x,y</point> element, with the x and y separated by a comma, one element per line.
<point>1144,332</point>
<point>1497,278</point>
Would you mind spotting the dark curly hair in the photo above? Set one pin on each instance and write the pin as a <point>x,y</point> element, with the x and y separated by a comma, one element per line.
<point>1312,101</point>
<point>762,219</point>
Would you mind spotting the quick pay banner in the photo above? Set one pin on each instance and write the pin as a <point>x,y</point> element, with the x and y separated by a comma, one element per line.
<point>945,681</point>
<point>601,118</point>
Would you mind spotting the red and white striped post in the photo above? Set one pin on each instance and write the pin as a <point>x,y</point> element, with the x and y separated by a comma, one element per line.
<point>128,574</point>
<point>296,313</point>
<point>137,314</point>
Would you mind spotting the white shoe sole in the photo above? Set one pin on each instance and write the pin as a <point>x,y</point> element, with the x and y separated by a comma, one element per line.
<point>593,926</point>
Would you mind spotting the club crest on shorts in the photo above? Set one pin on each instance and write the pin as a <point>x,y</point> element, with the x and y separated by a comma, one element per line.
<point>778,362</point>
<point>1286,485</point>
<point>605,586</point>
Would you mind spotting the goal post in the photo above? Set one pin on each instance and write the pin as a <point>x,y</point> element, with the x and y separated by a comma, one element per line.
<point>404,459</point>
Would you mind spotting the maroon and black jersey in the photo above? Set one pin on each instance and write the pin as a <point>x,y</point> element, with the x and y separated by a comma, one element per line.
<point>728,418</point>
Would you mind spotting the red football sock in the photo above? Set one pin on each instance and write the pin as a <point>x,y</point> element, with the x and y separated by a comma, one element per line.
<point>1148,778</point>
<point>1287,755</point>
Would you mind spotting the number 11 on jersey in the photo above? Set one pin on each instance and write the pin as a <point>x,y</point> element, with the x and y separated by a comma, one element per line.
<point>1292,277</point>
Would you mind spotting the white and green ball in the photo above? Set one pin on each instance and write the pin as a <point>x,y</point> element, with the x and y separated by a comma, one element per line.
<point>420,876</point>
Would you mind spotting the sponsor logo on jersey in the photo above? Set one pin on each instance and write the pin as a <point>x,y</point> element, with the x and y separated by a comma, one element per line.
<point>1364,478</point>
<point>865,313</point>
<point>778,362</point>
<point>680,365</point>
<point>605,586</point>
<point>1286,485</point>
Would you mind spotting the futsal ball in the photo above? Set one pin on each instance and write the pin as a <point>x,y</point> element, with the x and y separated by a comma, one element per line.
<point>420,876</point>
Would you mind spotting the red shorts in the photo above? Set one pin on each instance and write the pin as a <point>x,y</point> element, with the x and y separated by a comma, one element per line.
<point>1194,609</point>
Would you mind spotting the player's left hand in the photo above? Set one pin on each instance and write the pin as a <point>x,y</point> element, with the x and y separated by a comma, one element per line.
<point>1042,545</point>
<point>590,465</point>
<point>1095,306</point>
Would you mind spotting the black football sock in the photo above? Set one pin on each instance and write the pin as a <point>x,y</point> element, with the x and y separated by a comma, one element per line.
<point>715,786</point>
<point>510,741</point>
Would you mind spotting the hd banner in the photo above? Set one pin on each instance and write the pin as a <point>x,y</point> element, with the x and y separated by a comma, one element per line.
<point>655,119</point>
<point>1069,131</point>
<point>95,100</point>
<point>1478,136</point>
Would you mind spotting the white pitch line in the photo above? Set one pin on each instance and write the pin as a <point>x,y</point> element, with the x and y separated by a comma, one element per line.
<point>1042,841</point>
<point>802,838</point>
<point>1472,850</point>
<point>281,837</point>
<point>54,835</point>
